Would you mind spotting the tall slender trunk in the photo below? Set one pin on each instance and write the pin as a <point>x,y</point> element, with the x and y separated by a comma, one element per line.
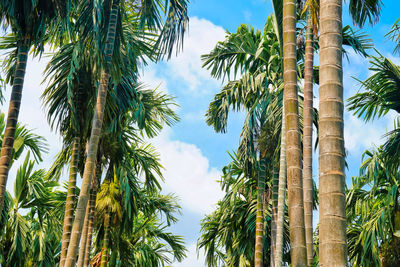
<point>94,139</point>
<point>92,204</point>
<point>307,140</point>
<point>281,195</point>
<point>12,117</point>
<point>274,214</point>
<point>293,151</point>
<point>104,250</point>
<point>70,201</point>
<point>332,199</point>
<point>85,231</point>
<point>82,245</point>
<point>258,259</point>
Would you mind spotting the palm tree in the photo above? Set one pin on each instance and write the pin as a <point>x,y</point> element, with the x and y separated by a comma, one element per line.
<point>312,18</point>
<point>373,213</point>
<point>109,209</point>
<point>380,97</point>
<point>281,196</point>
<point>68,98</point>
<point>119,200</point>
<point>248,51</point>
<point>228,233</point>
<point>28,21</point>
<point>142,240</point>
<point>293,153</point>
<point>332,226</point>
<point>247,93</point>
<point>86,243</point>
<point>171,32</point>
<point>26,235</point>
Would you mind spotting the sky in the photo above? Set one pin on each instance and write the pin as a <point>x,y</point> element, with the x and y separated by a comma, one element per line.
<point>191,152</point>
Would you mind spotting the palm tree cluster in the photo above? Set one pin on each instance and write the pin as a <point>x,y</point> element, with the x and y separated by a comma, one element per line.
<point>106,117</point>
<point>117,214</point>
<point>266,215</point>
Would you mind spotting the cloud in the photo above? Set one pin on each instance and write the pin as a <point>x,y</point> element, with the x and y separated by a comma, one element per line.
<point>187,66</point>
<point>188,174</point>
<point>360,135</point>
<point>151,80</point>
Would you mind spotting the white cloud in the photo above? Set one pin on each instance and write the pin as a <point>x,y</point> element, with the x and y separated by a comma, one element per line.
<point>150,79</point>
<point>360,135</point>
<point>188,174</point>
<point>187,66</point>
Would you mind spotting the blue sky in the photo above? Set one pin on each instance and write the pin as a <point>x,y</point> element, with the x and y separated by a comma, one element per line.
<point>191,152</point>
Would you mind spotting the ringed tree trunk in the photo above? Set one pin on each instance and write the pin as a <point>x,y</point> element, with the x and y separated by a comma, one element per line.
<point>281,195</point>
<point>293,152</point>
<point>69,206</point>
<point>307,140</point>
<point>258,259</point>
<point>104,250</point>
<point>94,139</point>
<point>92,203</point>
<point>86,227</point>
<point>85,230</point>
<point>332,199</point>
<point>274,214</point>
<point>12,117</point>
<point>82,245</point>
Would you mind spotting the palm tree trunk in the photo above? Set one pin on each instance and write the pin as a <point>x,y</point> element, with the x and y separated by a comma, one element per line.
<point>275,179</point>
<point>12,117</point>
<point>92,204</point>
<point>258,259</point>
<point>82,245</point>
<point>293,152</point>
<point>307,141</point>
<point>94,139</point>
<point>332,199</point>
<point>281,195</point>
<point>69,205</point>
<point>104,250</point>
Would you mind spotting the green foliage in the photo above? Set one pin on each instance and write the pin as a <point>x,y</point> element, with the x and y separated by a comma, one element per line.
<point>24,140</point>
<point>362,11</point>
<point>372,209</point>
<point>33,228</point>
<point>381,90</point>
<point>394,35</point>
<point>228,234</point>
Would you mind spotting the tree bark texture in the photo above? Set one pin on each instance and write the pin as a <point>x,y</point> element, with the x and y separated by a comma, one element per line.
<point>332,199</point>
<point>293,149</point>
<point>69,204</point>
<point>307,140</point>
<point>12,117</point>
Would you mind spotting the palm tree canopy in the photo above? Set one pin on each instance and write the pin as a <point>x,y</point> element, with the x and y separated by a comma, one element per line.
<point>31,19</point>
<point>373,212</point>
<point>382,90</point>
<point>362,11</point>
